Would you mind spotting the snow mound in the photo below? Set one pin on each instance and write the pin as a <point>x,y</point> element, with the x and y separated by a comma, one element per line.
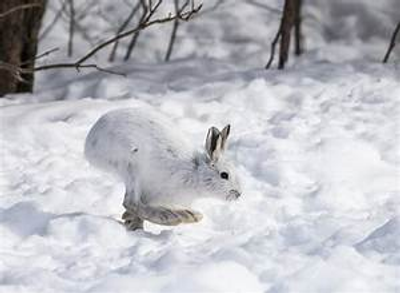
<point>383,242</point>
<point>316,150</point>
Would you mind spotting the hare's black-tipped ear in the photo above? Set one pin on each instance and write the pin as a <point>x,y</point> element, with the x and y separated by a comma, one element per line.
<point>224,134</point>
<point>213,143</point>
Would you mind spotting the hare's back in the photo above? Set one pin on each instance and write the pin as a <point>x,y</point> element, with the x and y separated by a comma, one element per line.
<point>121,135</point>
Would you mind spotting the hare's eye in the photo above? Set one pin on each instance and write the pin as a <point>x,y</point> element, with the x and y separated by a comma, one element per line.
<point>224,175</point>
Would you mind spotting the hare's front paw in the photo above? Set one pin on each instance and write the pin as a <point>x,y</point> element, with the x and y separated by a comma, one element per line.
<point>131,221</point>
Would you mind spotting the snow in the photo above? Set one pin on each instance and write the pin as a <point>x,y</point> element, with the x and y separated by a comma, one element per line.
<point>316,146</point>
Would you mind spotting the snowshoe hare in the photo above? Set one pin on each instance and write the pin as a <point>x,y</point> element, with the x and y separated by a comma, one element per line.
<point>162,172</point>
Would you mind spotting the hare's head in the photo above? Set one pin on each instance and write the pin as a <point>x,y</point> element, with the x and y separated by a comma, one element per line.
<point>217,174</point>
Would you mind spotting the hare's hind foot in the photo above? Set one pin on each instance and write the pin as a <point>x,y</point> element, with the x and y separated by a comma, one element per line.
<point>131,221</point>
<point>169,216</point>
<point>188,216</point>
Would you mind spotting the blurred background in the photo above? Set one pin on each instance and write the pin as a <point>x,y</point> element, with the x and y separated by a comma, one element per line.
<point>237,33</point>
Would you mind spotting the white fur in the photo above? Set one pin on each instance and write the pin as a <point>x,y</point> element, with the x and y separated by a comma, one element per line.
<point>156,162</point>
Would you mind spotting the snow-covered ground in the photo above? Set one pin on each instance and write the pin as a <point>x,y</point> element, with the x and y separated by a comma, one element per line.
<point>316,146</point>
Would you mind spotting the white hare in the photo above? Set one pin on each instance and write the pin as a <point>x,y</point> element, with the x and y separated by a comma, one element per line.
<point>162,172</point>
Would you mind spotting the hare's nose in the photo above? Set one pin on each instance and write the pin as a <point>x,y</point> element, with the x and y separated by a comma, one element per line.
<point>235,193</point>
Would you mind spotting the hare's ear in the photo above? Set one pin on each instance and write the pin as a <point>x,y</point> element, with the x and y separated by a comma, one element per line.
<point>213,143</point>
<point>224,135</point>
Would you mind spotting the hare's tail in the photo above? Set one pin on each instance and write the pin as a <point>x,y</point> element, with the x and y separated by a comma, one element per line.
<point>167,216</point>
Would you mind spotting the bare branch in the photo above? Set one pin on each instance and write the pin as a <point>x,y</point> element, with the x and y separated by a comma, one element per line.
<point>265,6</point>
<point>80,13</point>
<point>44,54</point>
<point>211,9</point>
<point>83,32</point>
<point>84,10</point>
<point>14,70</point>
<point>78,67</point>
<point>147,16</point>
<point>54,21</point>
<point>273,46</point>
<point>135,37</point>
<point>19,71</point>
<point>20,7</point>
<point>283,35</point>
<point>174,31</point>
<point>80,63</point>
<point>392,43</point>
<point>121,29</point>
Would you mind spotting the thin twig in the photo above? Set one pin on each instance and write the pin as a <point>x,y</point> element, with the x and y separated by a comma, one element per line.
<point>173,33</point>
<point>121,29</point>
<point>273,46</point>
<point>14,70</point>
<point>77,66</point>
<point>44,54</point>
<point>82,30</point>
<point>185,16</point>
<point>17,71</point>
<point>265,6</point>
<point>211,8</point>
<point>54,21</point>
<point>84,10</point>
<point>392,44</point>
<point>135,37</point>
<point>20,7</point>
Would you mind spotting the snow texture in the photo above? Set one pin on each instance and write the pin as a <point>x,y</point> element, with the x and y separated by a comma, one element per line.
<point>316,147</point>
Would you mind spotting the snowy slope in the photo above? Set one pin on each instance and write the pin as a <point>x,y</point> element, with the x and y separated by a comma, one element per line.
<point>317,150</point>
<point>316,146</point>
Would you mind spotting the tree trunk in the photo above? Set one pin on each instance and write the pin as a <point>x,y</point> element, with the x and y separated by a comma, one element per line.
<point>298,37</point>
<point>288,19</point>
<point>20,22</point>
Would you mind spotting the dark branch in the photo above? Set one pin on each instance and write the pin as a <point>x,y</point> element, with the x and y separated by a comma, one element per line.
<point>135,36</point>
<point>174,31</point>
<point>392,44</point>
<point>77,67</point>
<point>44,54</point>
<point>284,34</point>
<point>265,6</point>
<point>54,21</point>
<point>185,16</point>
<point>121,29</point>
<point>18,71</point>
<point>273,47</point>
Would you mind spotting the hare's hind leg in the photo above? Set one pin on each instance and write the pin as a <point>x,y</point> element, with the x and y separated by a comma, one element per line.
<point>132,221</point>
<point>168,216</point>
